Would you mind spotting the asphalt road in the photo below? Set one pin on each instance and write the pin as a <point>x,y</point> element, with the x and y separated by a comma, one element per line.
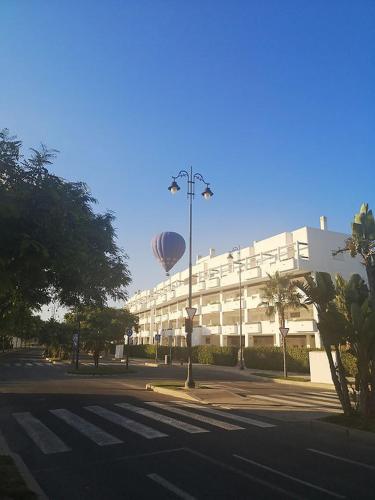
<point>109,438</point>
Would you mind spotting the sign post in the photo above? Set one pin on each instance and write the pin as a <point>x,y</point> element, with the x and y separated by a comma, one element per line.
<point>157,340</point>
<point>128,334</point>
<point>284,332</point>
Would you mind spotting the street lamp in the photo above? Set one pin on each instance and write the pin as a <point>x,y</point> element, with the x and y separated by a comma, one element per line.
<point>230,259</point>
<point>207,194</point>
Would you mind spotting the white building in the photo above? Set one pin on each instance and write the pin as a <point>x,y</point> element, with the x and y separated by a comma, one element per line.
<point>216,292</point>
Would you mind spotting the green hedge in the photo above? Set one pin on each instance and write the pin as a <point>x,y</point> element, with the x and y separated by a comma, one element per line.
<point>271,358</point>
<point>215,355</point>
<point>205,354</point>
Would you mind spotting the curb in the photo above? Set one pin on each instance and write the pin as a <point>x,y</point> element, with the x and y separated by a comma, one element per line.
<point>174,393</point>
<point>295,382</point>
<point>25,473</point>
<point>349,433</point>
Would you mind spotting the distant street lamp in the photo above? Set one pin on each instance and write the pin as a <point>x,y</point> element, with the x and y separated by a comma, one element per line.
<point>207,194</point>
<point>230,259</point>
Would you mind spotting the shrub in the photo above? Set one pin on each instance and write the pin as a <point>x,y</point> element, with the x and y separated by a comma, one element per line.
<point>350,364</point>
<point>271,358</point>
<point>215,355</point>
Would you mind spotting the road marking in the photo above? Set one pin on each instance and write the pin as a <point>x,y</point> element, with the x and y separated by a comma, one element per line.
<point>285,401</point>
<point>127,423</point>
<point>171,487</point>
<point>348,460</point>
<point>230,416</point>
<point>272,486</point>
<point>195,416</point>
<point>40,364</point>
<point>191,429</point>
<point>43,437</point>
<point>316,400</point>
<point>17,364</point>
<point>329,397</point>
<point>29,364</point>
<point>283,474</point>
<point>89,430</point>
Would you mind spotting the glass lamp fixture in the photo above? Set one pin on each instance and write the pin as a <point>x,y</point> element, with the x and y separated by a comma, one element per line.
<point>174,187</point>
<point>207,193</point>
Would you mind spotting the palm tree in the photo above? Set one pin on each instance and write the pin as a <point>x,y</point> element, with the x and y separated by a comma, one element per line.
<point>320,291</point>
<point>278,296</point>
<point>362,243</point>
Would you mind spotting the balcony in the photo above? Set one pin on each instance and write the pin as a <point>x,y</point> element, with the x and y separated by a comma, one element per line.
<point>182,290</point>
<point>175,315</point>
<point>229,330</point>
<point>302,326</point>
<point>211,330</point>
<point>230,279</point>
<point>250,274</point>
<point>232,305</point>
<point>213,282</point>
<point>199,286</point>
<point>252,328</point>
<point>211,308</point>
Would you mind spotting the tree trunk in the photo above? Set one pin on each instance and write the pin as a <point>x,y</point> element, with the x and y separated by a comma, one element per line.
<point>342,379</point>
<point>335,379</point>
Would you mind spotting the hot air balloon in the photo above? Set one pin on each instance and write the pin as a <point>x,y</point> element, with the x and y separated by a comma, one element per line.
<point>168,248</point>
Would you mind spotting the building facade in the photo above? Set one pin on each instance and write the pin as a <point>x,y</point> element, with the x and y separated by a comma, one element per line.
<point>216,292</point>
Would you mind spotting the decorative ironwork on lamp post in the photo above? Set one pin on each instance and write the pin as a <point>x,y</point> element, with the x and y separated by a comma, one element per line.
<point>207,194</point>
<point>230,258</point>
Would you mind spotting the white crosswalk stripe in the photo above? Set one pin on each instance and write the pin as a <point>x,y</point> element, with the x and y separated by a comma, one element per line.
<point>316,400</point>
<point>86,428</point>
<point>282,400</point>
<point>178,424</point>
<point>43,437</point>
<point>127,423</point>
<point>196,416</point>
<point>230,416</point>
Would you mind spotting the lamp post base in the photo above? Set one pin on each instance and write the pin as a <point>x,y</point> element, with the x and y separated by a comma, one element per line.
<point>189,384</point>
<point>241,365</point>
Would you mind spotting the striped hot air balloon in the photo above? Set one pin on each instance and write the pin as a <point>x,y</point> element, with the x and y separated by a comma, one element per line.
<point>168,248</point>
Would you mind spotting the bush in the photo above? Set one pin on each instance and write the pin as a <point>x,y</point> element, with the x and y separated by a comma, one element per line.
<point>350,364</point>
<point>205,354</point>
<point>215,355</point>
<point>271,358</point>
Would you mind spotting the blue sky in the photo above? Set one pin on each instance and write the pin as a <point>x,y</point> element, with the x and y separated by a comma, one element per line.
<point>272,101</point>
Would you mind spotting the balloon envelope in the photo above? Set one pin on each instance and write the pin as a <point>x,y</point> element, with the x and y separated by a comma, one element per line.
<point>168,248</point>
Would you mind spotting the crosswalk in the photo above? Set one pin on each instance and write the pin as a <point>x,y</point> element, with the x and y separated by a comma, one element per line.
<point>45,433</point>
<point>326,401</point>
<point>26,364</point>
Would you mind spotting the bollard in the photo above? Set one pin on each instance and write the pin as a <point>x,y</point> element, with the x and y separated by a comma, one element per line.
<point>166,359</point>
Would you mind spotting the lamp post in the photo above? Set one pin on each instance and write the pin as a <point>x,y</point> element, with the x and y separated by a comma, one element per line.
<point>207,193</point>
<point>230,259</point>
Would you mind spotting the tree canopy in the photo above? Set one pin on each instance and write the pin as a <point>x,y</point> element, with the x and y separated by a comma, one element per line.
<point>53,245</point>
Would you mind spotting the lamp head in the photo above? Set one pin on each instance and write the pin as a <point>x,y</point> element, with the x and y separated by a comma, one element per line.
<point>174,187</point>
<point>207,193</point>
<point>230,257</point>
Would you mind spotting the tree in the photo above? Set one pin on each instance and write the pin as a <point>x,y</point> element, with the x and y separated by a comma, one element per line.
<point>53,245</point>
<point>362,243</point>
<point>278,296</point>
<point>319,290</point>
<point>103,326</point>
<point>352,301</point>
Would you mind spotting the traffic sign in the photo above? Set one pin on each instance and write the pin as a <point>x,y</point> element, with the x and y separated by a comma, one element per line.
<point>157,337</point>
<point>129,333</point>
<point>284,331</point>
<point>75,340</point>
<point>191,312</point>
